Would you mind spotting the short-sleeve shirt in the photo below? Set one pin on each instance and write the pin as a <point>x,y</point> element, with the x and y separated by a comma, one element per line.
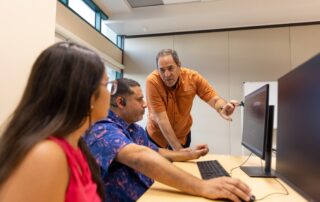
<point>176,102</point>
<point>105,140</point>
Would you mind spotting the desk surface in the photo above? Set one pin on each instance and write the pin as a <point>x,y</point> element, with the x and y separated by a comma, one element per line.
<point>260,186</point>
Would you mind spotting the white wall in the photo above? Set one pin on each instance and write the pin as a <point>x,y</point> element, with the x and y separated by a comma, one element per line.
<point>226,59</point>
<point>27,27</point>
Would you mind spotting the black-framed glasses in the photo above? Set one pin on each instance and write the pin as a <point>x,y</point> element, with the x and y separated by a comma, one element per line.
<point>112,86</point>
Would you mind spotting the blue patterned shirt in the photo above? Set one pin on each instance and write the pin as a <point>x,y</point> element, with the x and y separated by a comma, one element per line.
<point>105,140</point>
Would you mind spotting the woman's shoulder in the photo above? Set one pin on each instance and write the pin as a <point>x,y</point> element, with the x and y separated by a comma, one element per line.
<point>43,173</point>
<point>48,158</point>
<point>48,149</point>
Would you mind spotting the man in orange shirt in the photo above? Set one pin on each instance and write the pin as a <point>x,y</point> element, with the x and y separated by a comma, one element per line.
<point>170,91</point>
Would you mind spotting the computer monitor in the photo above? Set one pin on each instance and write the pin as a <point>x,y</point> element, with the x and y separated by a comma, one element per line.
<point>298,139</point>
<point>257,130</point>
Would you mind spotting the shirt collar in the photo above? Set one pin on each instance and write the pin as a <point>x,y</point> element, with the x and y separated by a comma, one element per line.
<point>180,80</point>
<point>116,119</point>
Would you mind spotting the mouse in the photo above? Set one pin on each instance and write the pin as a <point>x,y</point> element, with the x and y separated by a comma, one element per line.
<point>252,199</point>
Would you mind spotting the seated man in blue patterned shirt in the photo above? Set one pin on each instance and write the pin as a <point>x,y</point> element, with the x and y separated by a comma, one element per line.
<point>129,161</point>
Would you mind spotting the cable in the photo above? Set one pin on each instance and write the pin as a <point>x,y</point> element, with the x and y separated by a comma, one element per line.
<point>230,173</point>
<point>275,193</point>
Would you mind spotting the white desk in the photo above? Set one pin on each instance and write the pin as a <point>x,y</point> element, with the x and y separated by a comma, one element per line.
<point>260,186</point>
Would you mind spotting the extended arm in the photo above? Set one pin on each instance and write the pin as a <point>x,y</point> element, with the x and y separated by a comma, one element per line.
<point>167,131</point>
<point>155,166</point>
<point>157,109</point>
<point>224,108</point>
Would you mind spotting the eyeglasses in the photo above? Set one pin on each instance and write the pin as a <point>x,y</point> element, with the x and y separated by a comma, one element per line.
<point>112,86</point>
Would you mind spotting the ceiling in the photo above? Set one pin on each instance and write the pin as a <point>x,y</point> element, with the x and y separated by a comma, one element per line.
<point>142,17</point>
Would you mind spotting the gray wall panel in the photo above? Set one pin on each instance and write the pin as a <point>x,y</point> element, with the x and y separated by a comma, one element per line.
<point>226,59</point>
<point>255,55</point>
<point>208,54</point>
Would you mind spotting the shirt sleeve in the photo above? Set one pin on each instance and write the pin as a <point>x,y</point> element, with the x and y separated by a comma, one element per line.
<point>155,102</point>
<point>105,141</point>
<point>204,90</point>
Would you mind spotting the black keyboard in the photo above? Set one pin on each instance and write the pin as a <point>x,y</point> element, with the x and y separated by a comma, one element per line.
<point>211,169</point>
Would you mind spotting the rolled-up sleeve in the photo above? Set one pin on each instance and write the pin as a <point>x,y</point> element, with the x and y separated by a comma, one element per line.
<point>204,90</point>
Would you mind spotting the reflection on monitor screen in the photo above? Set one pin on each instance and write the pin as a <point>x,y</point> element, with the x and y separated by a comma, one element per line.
<point>257,130</point>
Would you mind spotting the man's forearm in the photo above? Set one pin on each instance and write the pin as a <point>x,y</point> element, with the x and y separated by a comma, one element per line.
<point>217,103</point>
<point>166,129</point>
<point>169,134</point>
<point>144,160</point>
<point>175,155</point>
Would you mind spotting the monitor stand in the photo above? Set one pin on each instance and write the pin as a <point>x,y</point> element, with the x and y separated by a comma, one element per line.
<point>258,172</point>
<point>265,171</point>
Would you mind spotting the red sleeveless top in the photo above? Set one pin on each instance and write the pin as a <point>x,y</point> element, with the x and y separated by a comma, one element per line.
<point>81,187</point>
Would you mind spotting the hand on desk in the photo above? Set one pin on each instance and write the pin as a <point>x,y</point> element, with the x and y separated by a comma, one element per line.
<point>197,152</point>
<point>226,187</point>
<point>153,165</point>
<point>185,154</point>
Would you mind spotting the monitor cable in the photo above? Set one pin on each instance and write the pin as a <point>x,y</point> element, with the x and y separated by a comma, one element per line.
<point>230,173</point>
<point>273,193</point>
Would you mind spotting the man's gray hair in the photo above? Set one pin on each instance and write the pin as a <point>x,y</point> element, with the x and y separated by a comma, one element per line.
<point>165,52</point>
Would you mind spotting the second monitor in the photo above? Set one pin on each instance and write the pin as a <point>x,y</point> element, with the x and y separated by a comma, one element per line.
<point>257,130</point>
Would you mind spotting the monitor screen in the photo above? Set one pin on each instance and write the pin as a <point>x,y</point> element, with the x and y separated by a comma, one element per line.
<point>255,120</point>
<point>298,139</point>
<point>257,130</point>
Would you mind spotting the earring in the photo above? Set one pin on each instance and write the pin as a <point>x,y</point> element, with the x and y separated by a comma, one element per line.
<point>91,107</point>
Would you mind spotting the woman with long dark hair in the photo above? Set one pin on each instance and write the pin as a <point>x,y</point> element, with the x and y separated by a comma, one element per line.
<point>42,154</point>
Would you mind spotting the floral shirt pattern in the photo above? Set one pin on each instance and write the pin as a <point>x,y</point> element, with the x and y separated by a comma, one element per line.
<point>105,140</point>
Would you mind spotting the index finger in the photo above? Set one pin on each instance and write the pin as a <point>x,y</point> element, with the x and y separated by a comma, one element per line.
<point>200,146</point>
<point>234,102</point>
<point>239,184</point>
<point>226,117</point>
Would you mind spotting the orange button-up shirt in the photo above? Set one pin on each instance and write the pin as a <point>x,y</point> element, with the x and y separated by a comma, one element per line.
<point>177,103</point>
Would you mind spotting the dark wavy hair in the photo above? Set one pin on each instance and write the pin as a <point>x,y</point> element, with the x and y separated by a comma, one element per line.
<point>123,89</point>
<point>55,102</point>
